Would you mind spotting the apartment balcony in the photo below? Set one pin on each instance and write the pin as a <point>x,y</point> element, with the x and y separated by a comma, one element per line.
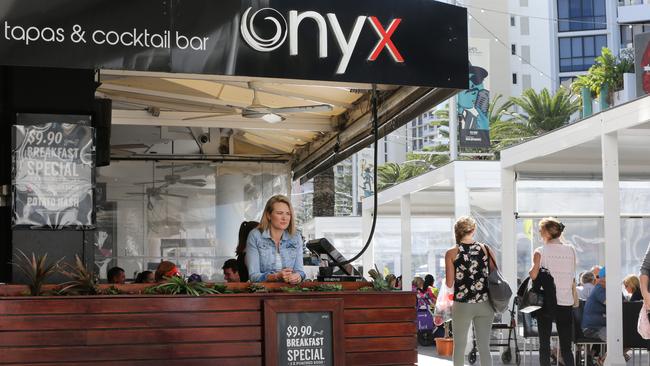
<point>633,11</point>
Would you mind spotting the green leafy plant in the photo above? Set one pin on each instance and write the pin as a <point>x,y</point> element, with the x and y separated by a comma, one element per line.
<point>378,281</point>
<point>84,281</point>
<point>36,269</point>
<point>366,289</point>
<point>544,112</point>
<point>222,289</point>
<point>607,69</point>
<point>256,287</point>
<point>326,287</point>
<point>180,286</point>
<point>295,289</point>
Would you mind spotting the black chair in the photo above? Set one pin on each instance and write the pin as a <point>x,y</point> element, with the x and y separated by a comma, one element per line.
<point>631,337</point>
<point>579,337</point>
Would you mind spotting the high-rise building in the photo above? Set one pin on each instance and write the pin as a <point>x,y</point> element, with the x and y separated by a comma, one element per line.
<point>633,18</point>
<point>557,40</point>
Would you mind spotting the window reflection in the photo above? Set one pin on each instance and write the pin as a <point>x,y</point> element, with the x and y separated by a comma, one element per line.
<point>188,213</point>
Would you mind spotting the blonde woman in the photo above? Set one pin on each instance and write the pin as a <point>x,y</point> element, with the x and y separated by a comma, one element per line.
<point>467,267</point>
<point>633,287</point>
<point>560,261</point>
<point>274,250</point>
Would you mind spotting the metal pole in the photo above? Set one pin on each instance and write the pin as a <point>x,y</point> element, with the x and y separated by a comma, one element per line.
<point>407,264</point>
<point>453,128</point>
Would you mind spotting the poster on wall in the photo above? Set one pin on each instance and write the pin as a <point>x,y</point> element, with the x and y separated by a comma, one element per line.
<point>642,63</point>
<point>365,165</point>
<point>472,110</point>
<point>53,172</point>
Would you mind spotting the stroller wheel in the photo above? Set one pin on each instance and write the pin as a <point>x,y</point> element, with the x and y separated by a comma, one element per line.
<point>517,358</point>
<point>471,358</point>
<point>425,338</point>
<point>506,356</point>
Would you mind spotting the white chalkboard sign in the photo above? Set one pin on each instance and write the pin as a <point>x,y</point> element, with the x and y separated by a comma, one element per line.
<point>304,332</point>
<point>53,171</point>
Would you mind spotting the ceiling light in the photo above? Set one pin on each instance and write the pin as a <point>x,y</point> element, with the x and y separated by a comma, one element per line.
<point>272,118</point>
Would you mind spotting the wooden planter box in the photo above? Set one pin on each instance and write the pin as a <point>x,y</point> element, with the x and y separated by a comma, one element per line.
<point>182,330</point>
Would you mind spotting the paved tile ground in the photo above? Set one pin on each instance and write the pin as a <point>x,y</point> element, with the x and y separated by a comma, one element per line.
<point>427,356</point>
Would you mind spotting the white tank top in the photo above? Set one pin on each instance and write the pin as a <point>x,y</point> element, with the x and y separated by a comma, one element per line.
<point>560,260</point>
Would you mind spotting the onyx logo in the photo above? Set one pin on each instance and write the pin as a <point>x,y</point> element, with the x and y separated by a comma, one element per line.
<point>283,29</point>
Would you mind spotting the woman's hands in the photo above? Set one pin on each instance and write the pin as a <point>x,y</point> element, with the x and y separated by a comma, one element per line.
<point>287,275</point>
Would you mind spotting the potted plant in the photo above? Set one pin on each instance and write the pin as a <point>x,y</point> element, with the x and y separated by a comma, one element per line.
<point>36,269</point>
<point>445,345</point>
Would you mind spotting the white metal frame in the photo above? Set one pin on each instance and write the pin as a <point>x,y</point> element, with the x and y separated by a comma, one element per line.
<point>621,132</point>
<point>456,178</point>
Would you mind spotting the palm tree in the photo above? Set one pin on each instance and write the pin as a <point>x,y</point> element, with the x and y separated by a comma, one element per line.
<point>543,112</point>
<point>388,175</point>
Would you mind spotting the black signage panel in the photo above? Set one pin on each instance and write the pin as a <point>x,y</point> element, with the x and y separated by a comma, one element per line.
<point>53,168</point>
<point>408,42</point>
<point>305,338</point>
<point>304,332</point>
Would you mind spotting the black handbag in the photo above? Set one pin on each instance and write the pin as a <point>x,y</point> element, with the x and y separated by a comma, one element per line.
<point>529,297</point>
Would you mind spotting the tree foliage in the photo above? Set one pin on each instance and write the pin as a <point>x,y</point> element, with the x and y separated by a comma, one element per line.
<point>607,69</point>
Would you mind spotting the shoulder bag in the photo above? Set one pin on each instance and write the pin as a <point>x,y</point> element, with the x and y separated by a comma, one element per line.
<point>499,292</point>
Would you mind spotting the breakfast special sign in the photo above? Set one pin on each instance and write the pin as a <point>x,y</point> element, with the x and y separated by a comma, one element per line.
<point>406,42</point>
<point>53,164</point>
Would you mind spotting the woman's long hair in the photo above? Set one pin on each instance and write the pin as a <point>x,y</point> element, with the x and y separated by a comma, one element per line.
<point>244,229</point>
<point>265,222</point>
<point>428,281</point>
<point>463,226</point>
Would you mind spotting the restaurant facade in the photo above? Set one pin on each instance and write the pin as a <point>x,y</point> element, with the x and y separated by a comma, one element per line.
<point>146,131</point>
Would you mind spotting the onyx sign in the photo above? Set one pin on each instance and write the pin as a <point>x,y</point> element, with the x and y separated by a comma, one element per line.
<point>407,42</point>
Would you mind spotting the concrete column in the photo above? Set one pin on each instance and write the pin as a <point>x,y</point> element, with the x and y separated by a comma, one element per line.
<point>368,257</point>
<point>508,227</point>
<point>229,212</point>
<point>612,223</point>
<point>405,216</point>
<point>461,193</point>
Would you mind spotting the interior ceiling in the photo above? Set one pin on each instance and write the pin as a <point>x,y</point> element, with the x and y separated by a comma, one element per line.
<point>178,109</point>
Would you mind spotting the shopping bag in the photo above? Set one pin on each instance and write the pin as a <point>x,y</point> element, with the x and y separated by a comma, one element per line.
<point>643,326</point>
<point>443,306</point>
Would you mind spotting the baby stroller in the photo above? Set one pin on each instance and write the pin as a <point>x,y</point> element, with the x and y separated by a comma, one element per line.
<point>426,328</point>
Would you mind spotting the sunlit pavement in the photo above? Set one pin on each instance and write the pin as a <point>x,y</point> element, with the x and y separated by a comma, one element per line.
<point>427,356</point>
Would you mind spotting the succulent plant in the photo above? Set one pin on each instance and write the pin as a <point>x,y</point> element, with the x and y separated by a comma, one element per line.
<point>83,281</point>
<point>36,269</point>
<point>180,286</point>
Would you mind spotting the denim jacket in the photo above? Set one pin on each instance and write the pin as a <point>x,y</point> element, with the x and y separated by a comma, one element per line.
<point>260,254</point>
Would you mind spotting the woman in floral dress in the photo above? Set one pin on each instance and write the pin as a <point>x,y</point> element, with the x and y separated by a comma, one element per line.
<point>467,268</point>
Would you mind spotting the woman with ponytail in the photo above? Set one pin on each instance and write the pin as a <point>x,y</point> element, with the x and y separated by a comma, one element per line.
<point>560,261</point>
<point>467,267</point>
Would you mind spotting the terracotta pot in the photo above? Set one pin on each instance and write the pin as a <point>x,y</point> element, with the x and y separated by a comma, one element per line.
<point>445,346</point>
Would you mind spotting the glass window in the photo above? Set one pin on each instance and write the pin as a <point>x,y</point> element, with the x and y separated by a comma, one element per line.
<point>188,213</point>
<point>514,78</point>
<point>579,15</point>
<point>512,21</point>
<point>576,47</point>
<point>565,48</point>
<point>578,53</point>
